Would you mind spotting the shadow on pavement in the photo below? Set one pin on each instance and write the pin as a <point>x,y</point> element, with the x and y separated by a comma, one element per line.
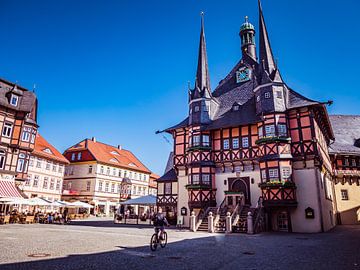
<point>335,250</point>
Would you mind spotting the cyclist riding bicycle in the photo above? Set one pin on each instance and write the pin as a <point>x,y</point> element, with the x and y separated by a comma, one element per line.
<point>160,221</point>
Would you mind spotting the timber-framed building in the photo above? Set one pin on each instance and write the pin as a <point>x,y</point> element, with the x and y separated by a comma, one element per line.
<point>253,144</point>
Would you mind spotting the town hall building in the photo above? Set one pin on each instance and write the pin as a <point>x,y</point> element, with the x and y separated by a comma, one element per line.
<point>253,144</point>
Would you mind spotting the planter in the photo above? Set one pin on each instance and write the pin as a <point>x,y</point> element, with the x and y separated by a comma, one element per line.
<point>273,139</point>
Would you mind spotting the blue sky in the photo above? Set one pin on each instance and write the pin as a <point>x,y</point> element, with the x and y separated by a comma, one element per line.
<point>118,70</point>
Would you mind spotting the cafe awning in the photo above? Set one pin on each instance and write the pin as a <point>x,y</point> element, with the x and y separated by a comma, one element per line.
<point>8,190</point>
<point>144,200</point>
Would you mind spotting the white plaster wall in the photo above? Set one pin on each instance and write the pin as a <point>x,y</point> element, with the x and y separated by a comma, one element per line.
<point>183,198</point>
<point>307,196</point>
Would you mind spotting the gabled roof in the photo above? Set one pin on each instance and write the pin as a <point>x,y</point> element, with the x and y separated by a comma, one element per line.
<point>346,130</point>
<point>107,154</point>
<point>45,150</point>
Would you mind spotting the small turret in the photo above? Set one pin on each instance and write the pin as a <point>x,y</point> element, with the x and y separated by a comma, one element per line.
<point>247,35</point>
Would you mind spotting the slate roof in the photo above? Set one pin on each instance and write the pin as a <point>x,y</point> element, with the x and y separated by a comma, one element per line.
<point>265,74</point>
<point>170,173</point>
<point>111,155</point>
<point>26,101</point>
<point>347,130</point>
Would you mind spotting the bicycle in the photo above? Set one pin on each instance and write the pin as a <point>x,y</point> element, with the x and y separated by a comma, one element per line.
<point>155,241</point>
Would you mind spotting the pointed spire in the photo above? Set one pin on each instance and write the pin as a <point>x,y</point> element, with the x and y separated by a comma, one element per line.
<point>266,55</point>
<point>202,81</point>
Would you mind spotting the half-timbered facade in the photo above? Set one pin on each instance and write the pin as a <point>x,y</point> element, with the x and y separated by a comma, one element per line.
<point>345,158</point>
<point>252,141</point>
<point>18,114</point>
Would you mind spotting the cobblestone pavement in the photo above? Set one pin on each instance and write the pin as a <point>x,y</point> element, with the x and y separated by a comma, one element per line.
<point>100,244</point>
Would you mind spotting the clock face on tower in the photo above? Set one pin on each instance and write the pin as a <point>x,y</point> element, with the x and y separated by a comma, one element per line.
<point>243,75</point>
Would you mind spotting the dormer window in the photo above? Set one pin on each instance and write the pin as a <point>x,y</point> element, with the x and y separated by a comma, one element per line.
<point>196,109</point>
<point>267,95</point>
<point>14,100</point>
<point>236,107</point>
<point>114,153</point>
<point>48,151</point>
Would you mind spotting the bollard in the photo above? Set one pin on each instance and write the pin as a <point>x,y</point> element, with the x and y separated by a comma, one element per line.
<point>192,222</point>
<point>228,223</point>
<point>211,223</point>
<point>250,227</point>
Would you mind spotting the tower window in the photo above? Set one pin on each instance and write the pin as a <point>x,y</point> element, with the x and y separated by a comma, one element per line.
<point>258,99</point>
<point>279,94</point>
<point>267,95</point>
<point>197,108</point>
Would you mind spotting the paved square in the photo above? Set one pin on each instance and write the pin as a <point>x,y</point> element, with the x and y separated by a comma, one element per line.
<point>99,244</point>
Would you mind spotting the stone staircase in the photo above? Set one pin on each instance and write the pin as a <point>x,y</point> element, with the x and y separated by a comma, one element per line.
<point>203,227</point>
<point>241,225</point>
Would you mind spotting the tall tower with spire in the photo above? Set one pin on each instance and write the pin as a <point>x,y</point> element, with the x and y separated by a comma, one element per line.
<point>201,104</point>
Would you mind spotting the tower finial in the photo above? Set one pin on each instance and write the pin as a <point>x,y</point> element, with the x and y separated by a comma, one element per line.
<point>246,19</point>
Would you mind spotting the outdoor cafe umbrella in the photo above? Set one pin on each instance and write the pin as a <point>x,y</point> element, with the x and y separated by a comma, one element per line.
<point>144,200</point>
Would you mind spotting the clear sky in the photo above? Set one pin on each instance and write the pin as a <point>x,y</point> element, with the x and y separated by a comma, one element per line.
<point>118,70</point>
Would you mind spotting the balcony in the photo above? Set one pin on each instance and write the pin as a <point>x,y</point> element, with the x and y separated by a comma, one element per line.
<point>277,194</point>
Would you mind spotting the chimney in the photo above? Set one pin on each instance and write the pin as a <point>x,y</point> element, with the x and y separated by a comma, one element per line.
<point>93,139</point>
<point>119,147</point>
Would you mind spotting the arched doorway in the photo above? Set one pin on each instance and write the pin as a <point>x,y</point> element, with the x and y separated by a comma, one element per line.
<point>239,188</point>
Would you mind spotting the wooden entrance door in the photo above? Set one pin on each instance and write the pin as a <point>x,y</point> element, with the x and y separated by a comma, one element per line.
<point>240,186</point>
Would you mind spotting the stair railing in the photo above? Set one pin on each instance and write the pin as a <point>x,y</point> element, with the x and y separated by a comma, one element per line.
<point>259,217</point>
<point>202,214</point>
<point>236,213</point>
<point>217,214</point>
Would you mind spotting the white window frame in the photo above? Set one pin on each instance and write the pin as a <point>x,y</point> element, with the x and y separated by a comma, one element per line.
<point>285,173</point>
<point>273,174</point>
<point>25,137</point>
<point>196,140</point>
<point>195,179</point>
<point>267,95</point>
<point>282,129</point>
<point>245,142</point>
<point>226,144</point>
<point>206,179</point>
<point>16,98</point>
<point>206,140</point>
<point>20,167</point>
<point>7,129</point>
<point>270,130</point>
<point>235,143</point>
